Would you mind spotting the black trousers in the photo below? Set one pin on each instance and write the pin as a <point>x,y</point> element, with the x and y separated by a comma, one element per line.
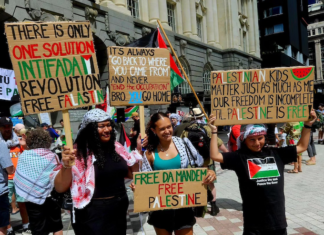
<point>102,216</point>
<point>271,232</point>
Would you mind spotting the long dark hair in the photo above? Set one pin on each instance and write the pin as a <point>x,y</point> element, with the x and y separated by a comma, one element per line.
<point>153,140</point>
<point>88,142</point>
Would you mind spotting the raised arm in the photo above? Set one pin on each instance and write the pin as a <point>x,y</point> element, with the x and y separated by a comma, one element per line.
<point>63,179</point>
<point>214,151</point>
<point>305,135</point>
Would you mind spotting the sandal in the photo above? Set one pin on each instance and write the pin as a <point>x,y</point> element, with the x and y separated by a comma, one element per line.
<point>310,163</point>
<point>15,212</point>
<point>292,171</point>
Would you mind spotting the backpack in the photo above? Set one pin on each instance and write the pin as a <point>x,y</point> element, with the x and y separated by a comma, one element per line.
<point>319,121</point>
<point>199,139</point>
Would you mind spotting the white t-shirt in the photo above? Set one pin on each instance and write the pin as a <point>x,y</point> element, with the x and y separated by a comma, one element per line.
<point>283,137</point>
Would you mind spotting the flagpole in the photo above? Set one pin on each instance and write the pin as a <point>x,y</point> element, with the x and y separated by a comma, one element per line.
<point>184,73</point>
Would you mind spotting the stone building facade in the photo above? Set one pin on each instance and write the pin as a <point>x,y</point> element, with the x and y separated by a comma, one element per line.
<point>207,35</point>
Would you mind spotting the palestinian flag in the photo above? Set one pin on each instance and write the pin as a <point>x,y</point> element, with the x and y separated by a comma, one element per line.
<point>124,140</point>
<point>87,64</point>
<point>155,40</point>
<point>262,168</point>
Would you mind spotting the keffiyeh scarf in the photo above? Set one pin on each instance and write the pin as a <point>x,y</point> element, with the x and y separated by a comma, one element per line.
<point>14,141</point>
<point>251,130</point>
<point>94,115</point>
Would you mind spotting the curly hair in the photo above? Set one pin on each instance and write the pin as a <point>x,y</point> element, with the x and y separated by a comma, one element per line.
<point>88,142</point>
<point>38,138</point>
<point>153,140</point>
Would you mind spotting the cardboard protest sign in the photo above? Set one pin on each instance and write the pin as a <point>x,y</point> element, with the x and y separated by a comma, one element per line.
<point>262,95</point>
<point>170,189</point>
<point>55,65</point>
<point>8,84</point>
<point>139,76</point>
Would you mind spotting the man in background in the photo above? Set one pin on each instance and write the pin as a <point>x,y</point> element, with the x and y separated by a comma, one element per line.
<point>51,131</point>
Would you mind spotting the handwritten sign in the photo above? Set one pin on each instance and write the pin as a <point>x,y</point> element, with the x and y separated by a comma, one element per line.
<point>8,84</point>
<point>55,65</point>
<point>139,76</point>
<point>262,96</point>
<point>171,189</point>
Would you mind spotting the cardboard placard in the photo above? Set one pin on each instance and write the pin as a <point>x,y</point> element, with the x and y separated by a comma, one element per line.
<point>262,96</point>
<point>45,118</point>
<point>55,65</point>
<point>139,76</point>
<point>169,189</point>
<point>8,84</point>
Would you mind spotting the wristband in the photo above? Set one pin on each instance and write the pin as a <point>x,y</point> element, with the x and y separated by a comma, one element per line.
<point>66,167</point>
<point>214,133</point>
<point>307,127</point>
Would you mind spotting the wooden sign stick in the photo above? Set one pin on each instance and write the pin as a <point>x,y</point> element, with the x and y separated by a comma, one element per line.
<point>184,73</point>
<point>67,129</point>
<point>142,122</point>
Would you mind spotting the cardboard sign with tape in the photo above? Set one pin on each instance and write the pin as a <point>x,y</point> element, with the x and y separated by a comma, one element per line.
<point>169,189</point>
<point>273,95</point>
<point>55,65</point>
<point>139,76</point>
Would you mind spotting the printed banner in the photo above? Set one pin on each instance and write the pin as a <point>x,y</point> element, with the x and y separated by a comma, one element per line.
<point>262,95</point>
<point>55,65</point>
<point>8,84</point>
<point>139,76</point>
<point>171,189</point>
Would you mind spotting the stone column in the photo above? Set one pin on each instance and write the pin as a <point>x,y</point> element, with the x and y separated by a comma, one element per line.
<point>251,27</point>
<point>179,17</point>
<point>117,5</point>
<point>186,18</point>
<point>193,16</point>
<point>210,23</point>
<point>318,59</point>
<point>154,11</point>
<point>144,10</point>
<point>163,12</point>
<point>256,29</point>
<point>215,24</point>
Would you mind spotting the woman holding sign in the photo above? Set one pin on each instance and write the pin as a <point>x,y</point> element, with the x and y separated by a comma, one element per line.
<point>165,152</point>
<point>260,172</point>
<point>96,180</point>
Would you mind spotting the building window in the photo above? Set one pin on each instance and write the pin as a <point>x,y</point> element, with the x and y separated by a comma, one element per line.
<point>309,33</point>
<point>313,32</point>
<point>206,77</point>
<point>199,26</point>
<point>184,87</point>
<point>274,29</point>
<point>319,30</point>
<point>171,18</point>
<point>272,11</point>
<point>294,53</point>
<point>132,6</point>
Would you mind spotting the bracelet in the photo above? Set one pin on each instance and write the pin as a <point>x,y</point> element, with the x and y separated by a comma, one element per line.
<point>307,127</point>
<point>214,133</point>
<point>66,167</point>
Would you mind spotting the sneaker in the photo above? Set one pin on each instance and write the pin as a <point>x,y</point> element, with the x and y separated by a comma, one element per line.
<point>11,233</point>
<point>26,231</point>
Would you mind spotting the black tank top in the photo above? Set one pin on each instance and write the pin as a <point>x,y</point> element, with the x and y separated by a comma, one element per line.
<point>109,180</point>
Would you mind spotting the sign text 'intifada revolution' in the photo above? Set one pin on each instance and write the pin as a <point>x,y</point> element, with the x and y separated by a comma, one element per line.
<point>55,65</point>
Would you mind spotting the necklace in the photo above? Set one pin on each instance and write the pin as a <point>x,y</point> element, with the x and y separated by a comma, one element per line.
<point>164,150</point>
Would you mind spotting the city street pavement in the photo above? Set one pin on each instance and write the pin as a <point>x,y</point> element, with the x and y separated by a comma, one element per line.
<point>304,204</point>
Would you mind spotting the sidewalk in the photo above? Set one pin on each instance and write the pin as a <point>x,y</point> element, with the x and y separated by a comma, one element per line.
<point>304,204</point>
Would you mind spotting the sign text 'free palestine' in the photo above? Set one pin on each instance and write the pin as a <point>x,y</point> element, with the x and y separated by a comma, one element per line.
<point>55,65</point>
<point>262,95</point>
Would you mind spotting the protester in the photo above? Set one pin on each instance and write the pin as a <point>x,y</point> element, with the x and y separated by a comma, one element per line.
<point>175,120</point>
<point>282,138</point>
<point>6,167</point>
<point>10,138</point>
<point>293,131</point>
<point>234,134</point>
<point>194,135</point>
<point>33,183</point>
<point>62,123</point>
<point>165,152</point>
<point>168,113</point>
<point>271,135</point>
<point>99,196</point>
<point>321,129</point>
<point>260,172</point>
<point>311,150</point>
<point>180,128</point>
<point>135,130</point>
<point>51,131</point>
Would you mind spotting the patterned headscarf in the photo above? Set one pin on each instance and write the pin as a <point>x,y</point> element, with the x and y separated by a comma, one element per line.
<point>94,115</point>
<point>176,116</point>
<point>251,130</point>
